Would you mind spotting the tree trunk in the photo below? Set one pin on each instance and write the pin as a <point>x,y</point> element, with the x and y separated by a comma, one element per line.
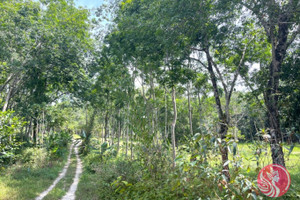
<point>166,115</point>
<point>199,108</point>
<point>190,109</point>
<point>127,130</point>
<point>222,118</point>
<point>112,132</point>
<point>174,125</point>
<point>273,115</point>
<point>106,126</point>
<point>119,129</point>
<point>152,104</point>
<point>89,128</point>
<point>7,99</point>
<point>28,132</point>
<point>34,129</point>
<point>131,145</point>
<point>44,128</point>
<point>279,47</point>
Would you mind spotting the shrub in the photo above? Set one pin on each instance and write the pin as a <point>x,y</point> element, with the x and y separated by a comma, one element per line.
<point>56,143</point>
<point>10,125</point>
<point>35,157</point>
<point>152,177</point>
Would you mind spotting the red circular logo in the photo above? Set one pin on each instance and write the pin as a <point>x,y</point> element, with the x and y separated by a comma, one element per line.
<point>274,180</point>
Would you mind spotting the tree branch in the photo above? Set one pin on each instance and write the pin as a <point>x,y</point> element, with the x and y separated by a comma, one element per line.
<point>293,37</point>
<point>198,60</point>
<point>9,78</point>
<point>220,76</point>
<point>238,69</point>
<point>215,85</point>
<point>196,49</point>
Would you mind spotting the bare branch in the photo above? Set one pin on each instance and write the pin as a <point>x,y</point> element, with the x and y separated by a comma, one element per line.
<point>9,78</point>
<point>220,76</point>
<point>214,83</point>
<point>196,49</point>
<point>198,60</point>
<point>238,69</point>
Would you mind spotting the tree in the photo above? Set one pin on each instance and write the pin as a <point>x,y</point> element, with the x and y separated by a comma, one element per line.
<point>46,52</point>
<point>280,20</point>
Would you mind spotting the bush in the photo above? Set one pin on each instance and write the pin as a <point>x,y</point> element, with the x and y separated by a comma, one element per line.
<point>56,143</point>
<point>35,157</point>
<point>108,172</point>
<point>10,125</point>
<point>152,177</point>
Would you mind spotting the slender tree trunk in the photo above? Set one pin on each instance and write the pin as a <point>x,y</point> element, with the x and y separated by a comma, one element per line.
<point>9,78</point>
<point>166,115</point>
<point>25,133</point>
<point>199,108</point>
<point>106,125</point>
<point>147,107</point>
<point>34,129</point>
<point>89,128</point>
<point>112,134</point>
<point>38,131</point>
<point>127,129</point>
<point>131,145</point>
<point>222,118</point>
<point>7,98</point>
<point>190,109</point>
<point>174,125</point>
<point>119,130</point>
<point>102,133</point>
<point>28,132</point>
<point>44,127</point>
<point>153,131</point>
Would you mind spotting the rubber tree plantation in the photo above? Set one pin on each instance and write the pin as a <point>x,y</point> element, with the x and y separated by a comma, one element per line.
<point>160,99</point>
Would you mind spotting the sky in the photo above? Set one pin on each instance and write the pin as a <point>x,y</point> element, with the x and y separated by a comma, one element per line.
<point>90,4</point>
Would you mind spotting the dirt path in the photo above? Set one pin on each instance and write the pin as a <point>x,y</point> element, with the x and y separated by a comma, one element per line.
<point>71,193</point>
<point>61,175</point>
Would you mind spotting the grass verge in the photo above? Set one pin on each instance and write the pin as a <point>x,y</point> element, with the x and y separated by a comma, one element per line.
<point>22,183</point>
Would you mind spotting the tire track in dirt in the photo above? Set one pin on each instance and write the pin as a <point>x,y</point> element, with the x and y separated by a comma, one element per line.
<point>61,175</point>
<point>71,193</point>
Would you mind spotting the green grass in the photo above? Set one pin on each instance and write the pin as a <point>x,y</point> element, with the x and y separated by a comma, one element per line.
<point>251,164</point>
<point>292,164</point>
<point>64,184</point>
<point>88,186</point>
<point>20,183</point>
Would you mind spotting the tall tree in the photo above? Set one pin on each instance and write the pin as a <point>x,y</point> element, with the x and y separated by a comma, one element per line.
<point>280,20</point>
